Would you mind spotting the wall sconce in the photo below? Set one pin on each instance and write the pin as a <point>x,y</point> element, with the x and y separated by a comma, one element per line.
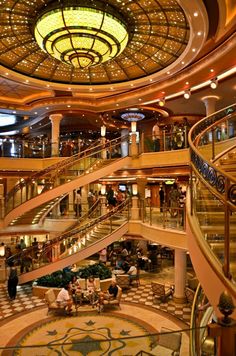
<point>103,130</point>
<point>162,101</point>
<point>187,94</point>
<point>135,189</point>
<point>214,83</point>
<point>103,189</point>
<point>133,126</point>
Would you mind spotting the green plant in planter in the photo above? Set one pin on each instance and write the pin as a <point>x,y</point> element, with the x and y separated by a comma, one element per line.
<point>61,278</point>
<point>97,270</point>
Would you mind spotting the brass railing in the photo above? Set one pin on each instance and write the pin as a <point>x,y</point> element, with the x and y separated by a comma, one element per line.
<point>168,217</point>
<point>70,168</point>
<point>72,241</point>
<point>213,190</point>
<point>201,315</point>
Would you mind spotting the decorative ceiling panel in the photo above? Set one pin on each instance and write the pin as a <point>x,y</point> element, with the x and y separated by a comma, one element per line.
<point>159,34</point>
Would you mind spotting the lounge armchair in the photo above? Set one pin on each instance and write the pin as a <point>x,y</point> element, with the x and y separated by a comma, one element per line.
<point>114,302</point>
<point>161,291</point>
<point>189,294</point>
<point>53,306</point>
<point>123,281</point>
<point>168,340</point>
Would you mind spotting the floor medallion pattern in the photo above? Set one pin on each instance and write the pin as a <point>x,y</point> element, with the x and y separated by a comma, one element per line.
<point>87,334</point>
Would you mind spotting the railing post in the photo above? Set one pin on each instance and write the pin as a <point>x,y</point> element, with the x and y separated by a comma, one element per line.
<point>164,140</point>
<point>213,144</point>
<point>226,266</point>
<point>191,190</point>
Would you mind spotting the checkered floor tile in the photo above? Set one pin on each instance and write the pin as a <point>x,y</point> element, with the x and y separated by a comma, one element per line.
<point>140,295</point>
<point>23,301</point>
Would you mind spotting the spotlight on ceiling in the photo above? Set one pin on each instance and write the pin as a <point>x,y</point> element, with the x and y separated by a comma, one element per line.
<point>81,33</point>
<point>187,94</point>
<point>162,101</point>
<point>214,83</point>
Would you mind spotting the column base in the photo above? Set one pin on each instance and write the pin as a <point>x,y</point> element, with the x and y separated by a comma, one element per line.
<point>135,214</point>
<point>179,300</point>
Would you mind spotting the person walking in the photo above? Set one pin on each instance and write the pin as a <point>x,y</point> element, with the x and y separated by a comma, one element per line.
<point>12,281</point>
<point>162,198</point>
<point>156,137</point>
<point>78,203</point>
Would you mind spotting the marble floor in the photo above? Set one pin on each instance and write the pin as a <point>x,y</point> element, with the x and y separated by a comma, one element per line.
<point>21,314</point>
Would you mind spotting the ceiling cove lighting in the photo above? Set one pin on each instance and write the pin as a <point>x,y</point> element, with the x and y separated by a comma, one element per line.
<point>187,94</point>
<point>214,83</point>
<point>81,33</point>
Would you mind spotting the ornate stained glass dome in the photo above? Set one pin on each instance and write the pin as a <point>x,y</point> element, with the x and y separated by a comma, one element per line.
<point>91,42</point>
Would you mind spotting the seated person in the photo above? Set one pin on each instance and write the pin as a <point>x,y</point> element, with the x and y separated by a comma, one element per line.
<point>132,272</point>
<point>76,290</point>
<point>91,290</point>
<point>110,294</point>
<point>125,266</point>
<point>64,300</point>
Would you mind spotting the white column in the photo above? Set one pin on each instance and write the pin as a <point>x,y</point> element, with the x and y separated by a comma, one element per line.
<point>104,151</point>
<point>125,143</point>
<point>25,129</point>
<point>134,147</point>
<point>180,276</point>
<point>135,208</point>
<point>71,202</point>
<point>55,120</point>
<point>210,104</point>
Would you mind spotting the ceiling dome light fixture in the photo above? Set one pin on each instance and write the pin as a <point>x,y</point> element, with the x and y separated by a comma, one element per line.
<point>214,83</point>
<point>187,94</point>
<point>81,33</point>
<point>132,116</point>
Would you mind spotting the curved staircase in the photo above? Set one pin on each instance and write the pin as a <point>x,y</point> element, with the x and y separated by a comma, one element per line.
<point>212,208</point>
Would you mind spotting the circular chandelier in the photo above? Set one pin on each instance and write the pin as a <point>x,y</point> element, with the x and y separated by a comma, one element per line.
<point>132,116</point>
<point>81,34</point>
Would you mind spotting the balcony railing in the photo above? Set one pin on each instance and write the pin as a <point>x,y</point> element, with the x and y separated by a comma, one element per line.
<point>213,193</point>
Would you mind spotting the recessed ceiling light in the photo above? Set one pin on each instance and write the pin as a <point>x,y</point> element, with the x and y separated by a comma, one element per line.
<point>195,14</point>
<point>199,33</point>
<point>68,106</point>
<point>211,70</point>
<point>193,49</point>
<point>182,62</point>
<point>7,73</point>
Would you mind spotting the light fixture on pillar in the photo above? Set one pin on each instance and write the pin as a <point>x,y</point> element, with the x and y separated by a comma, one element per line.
<point>162,101</point>
<point>133,126</point>
<point>187,94</point>
<point>103,130</point>
<point>135,189</point>
<point>133,117</point>
<point>103,189</point>
<point>214,83</point>
<point>81,33</point>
